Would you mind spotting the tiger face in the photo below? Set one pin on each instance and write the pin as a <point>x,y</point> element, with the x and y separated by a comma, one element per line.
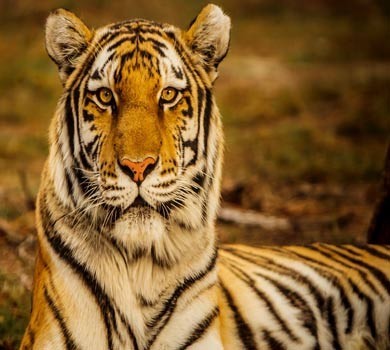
<point>137,132</point>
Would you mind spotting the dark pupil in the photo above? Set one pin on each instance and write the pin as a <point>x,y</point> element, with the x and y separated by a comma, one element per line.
<point>106,95</point>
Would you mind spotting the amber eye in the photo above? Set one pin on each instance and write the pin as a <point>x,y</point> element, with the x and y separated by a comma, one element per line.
<point>168,95</point>
<point>105,96</point>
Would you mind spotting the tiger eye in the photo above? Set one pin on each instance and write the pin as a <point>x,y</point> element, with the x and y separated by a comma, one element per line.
<point>105,96</point>
<point>168,94</point>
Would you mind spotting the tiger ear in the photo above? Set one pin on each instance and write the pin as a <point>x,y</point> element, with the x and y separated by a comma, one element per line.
<point>208,36</point>
<point>67,37</point>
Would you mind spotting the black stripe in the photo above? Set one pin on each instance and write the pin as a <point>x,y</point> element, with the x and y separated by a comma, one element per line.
<point>155,42</point>
<point>207,189</point>
<point>201,97</point>
<point>103,40</point>
<point>332,279</point>
<point>283,270</point>
<point>369,344</point>
<point>135,27</point>
<point>86,164</point>
<point>243,329</point>
<point>177,72</point>
<point>87,64</point>
<point>370,311</point>
<point>200,86</point>
<point>108,36</point>
<point>194,144</point>
<point>380,276</point>
<point>378,273</point>
<point>350,250</point>
<point>83,157</point>
<point>375,252</point>
<point>158,47</point>
<point>205,202</point>
<point>85,68</point>
<point>69,186</point>
<point>207,119</point>
<point>189,111</point>
<point>67,69</point>
<point>137,253</point>
<point>83,181</point>
<point>250,282</point>
<point>344,299</point>
<point>335,282</point>
<point>96,75</point>
<point>200,329</point>
<point>169,306</point>
<point>272,342</point>
<point>145,54</point>
<point>199,180</point>
<point>334,259</point>
<point>31,335</point>
<point>297,301</point>
<point>125,38</point>
<point>330,315</point>
<point>69,342</point>
<point>90,145</point>
<point>97,148</point>
<point>165,210</point>
<point>69,123</point>
<point>102,301</point>
<point>101,298</point>
<point>159,260</point>
<point>88,117</point>
<point>145,28</point>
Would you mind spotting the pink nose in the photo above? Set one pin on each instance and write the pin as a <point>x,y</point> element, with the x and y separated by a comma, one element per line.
<point>138,170</point>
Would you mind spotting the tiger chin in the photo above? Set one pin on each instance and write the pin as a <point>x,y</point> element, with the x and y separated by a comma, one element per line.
<point>126,211</point>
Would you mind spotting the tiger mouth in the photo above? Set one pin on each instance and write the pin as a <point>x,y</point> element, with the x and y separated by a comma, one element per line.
<point>141,206</point>
<point>139,202</point>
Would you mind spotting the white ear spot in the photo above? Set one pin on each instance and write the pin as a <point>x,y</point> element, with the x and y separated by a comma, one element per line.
<point>209,36</point>
<point>67,37</point>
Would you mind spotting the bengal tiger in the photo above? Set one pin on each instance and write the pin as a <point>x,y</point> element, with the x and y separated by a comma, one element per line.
<point>127,206</point>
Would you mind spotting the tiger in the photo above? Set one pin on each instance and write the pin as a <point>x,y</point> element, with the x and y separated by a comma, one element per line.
<point>128,256</point>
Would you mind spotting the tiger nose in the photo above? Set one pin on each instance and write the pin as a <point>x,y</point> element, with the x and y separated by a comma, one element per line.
<point>138,170</point>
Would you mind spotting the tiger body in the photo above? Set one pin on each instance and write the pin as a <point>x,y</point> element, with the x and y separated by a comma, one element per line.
<point>127,255</point>
<point>305,297</point>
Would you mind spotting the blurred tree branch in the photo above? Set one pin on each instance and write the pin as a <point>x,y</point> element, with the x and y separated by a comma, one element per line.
<point>252,218</point>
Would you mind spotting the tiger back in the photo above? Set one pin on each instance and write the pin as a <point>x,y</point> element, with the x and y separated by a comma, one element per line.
<point>317,296</point>
<point>127,256</point>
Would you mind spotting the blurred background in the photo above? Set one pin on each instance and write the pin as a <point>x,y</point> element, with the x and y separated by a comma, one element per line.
<point>305,98</point>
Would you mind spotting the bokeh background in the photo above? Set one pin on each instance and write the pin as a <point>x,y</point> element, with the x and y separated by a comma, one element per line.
<point>304,94</point>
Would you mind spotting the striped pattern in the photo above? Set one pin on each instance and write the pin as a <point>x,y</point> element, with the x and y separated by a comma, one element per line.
<point>311,297</point>
<point>80,138</point>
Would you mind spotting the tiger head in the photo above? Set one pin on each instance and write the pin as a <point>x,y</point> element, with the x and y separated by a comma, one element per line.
<point>137,132</point>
